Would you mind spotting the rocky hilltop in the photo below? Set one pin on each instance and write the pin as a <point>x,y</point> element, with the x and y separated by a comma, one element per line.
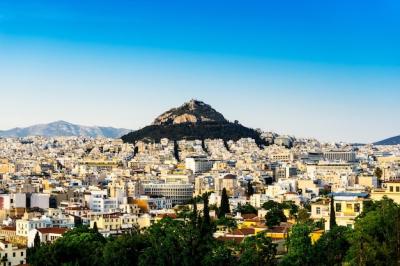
<point>193,111</point>
<point>193,120</point>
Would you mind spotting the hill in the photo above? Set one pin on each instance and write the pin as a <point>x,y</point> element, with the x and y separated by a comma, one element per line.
<point>389,141</point>
<point>62,128</point>
<point>193,120</point>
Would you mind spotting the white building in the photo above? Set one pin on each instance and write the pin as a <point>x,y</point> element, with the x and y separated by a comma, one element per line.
<point>198,164</point>
<point>13,255</point>
<point>40,200</point>
<point>24,225</point>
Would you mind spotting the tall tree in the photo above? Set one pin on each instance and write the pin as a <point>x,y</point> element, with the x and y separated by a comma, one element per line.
<point>332,214</point>
<point>378,173</point>
<point>332,247</point>
<point>36,241</point>
<point>250,189</point>
<point>300,251</point>
<point>224,206</point>
<point>95,229</point>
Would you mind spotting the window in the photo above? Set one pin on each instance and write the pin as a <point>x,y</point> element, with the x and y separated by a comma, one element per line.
<point>318,210</point>
<point>391,188</point>
<point>22,253</point>
<point>397,189</point>
<point>357,207</point>
<point>338,207</point>
<point>14,254</point>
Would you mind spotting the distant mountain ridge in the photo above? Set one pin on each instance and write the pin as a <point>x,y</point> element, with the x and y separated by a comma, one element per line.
<point>193,120</point>
<point>63,128</point>
<point>389,141</point>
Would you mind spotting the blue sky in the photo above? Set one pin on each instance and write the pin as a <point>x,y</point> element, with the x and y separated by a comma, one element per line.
<point>324,69</point>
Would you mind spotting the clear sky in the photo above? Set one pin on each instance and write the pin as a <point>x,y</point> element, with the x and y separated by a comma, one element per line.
<point>324,69</point>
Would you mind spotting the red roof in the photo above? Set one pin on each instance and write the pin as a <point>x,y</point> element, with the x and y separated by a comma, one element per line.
<point>52,230</point>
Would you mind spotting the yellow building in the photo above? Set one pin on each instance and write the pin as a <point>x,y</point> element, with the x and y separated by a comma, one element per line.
<point>347,207</point>
<point>390,189</point>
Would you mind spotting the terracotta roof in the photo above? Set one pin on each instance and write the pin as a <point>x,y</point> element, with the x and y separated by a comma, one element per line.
<point>9,228</point>
<point>236,239</point>
<point>250,216</point>
<point>244,231</point>
<point>52,230</point>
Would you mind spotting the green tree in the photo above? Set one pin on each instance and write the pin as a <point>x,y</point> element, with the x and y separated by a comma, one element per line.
<point>376,236</point>
<point>226,222</point>
<point>332,214</point>
<point>271,204</point>
<point>80,246</point>
<point>332,247</point>
<point>124,250</point>
<point>220,255</point>
<point>95,229</point>
<point>36,241</point>
<point>257,250</point>
<point>274,217</point>
<point>246,209</point>
<point>300,250</point>
<point>303,216</point>
<point>224,207</point>
<point>378,173</point>
<point>250,189</point>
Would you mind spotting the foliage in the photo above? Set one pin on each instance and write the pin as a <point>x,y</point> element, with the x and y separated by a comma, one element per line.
<point>300,250</point>
<point>229,223</point>
<point>303,216</point>
<point>81,246</point>
<point>246,209</point>
<point>376,236</point>
<point>332,215</point>
<point>224,206</point>
<point>332,247</point>
<point>274,217</point>
<point>191,131</point>
<point>250,189</point>
<point>257,250</point>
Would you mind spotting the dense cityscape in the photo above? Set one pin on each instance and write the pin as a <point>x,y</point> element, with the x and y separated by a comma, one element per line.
<point>79,200</point>
<point>199,133</point>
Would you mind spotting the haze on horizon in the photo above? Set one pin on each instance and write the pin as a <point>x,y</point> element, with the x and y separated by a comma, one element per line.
<point>329,70</point>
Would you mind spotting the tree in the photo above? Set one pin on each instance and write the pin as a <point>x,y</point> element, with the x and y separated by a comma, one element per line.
<point>80,246</point>
<point>300,251</point>
<point>378,173</point>
<point>257,250</point>
<point>95,229</point>
<point>224,207</point>
<point>332,215</point>
<point>226,222</point>
<point>271,204</point>
<point>250,189</point>
<point>332,247</point>
<point>246,209</point>
<point>124,250</point>
<point>376,236</point>
<point>303,216</point>
<point>274,217</point>
<point>36,241</point>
